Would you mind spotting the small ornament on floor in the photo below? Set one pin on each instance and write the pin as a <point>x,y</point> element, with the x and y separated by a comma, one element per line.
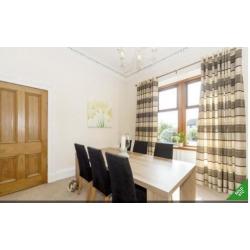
<point>73,186</point>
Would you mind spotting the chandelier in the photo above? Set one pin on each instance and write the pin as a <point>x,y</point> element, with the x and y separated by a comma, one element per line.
<point>140,58</point>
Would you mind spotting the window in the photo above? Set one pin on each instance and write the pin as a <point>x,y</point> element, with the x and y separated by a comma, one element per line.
<point>191,126</point>
<point>168,99</point>
<point>178,111</point>
<point>168,115</point>
<point>193,93</point>
<point>192,110</point>
<point>168,125</point>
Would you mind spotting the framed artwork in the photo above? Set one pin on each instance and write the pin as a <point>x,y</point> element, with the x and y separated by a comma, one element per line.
<point>99,114</point>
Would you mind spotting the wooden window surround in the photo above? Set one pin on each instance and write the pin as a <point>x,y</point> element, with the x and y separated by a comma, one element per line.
<point>182,104</point>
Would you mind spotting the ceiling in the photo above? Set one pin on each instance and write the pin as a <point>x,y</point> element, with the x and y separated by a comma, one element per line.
<point>127,61</point>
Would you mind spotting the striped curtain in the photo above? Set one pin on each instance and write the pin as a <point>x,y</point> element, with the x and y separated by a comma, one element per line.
<point>147,113</point>
<point>221,149</point>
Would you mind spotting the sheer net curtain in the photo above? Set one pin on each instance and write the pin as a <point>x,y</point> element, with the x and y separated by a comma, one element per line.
<point>147,113</point>
<point>221,149</point>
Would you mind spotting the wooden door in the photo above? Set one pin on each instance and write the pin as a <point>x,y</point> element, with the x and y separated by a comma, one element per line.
<point>23,137</point>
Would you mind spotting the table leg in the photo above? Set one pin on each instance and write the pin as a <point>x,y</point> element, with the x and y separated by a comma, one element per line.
<point>154,197</point>
<point>188,188</point>
<point>77,171</point>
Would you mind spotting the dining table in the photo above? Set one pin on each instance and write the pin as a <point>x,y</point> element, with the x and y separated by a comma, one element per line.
<point>160,177</point>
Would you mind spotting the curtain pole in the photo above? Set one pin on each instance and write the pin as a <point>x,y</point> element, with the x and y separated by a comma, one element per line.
<point>176,70</point>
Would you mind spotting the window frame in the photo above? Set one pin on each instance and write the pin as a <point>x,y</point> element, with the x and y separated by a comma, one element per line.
<point>177,103</point>
<point>187,83</point>
<point>168,87</point>
<point>182,102</point>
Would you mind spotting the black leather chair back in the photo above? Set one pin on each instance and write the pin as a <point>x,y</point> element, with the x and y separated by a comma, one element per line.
<point>83,160</point>
<point>101,179</point>
<point>140,147</point>
<point>121,177</point>
<point>164,150</point>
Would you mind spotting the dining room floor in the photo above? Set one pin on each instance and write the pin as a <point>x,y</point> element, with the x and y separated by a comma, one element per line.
<point>57,191</point>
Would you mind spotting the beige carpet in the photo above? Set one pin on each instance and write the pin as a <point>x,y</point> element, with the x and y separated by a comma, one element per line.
<point>57,191</point>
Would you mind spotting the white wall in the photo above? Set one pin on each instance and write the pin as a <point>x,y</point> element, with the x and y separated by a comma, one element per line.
<point>70,80</point>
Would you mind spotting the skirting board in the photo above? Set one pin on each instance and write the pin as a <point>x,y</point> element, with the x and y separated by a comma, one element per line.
<point>62,174</point>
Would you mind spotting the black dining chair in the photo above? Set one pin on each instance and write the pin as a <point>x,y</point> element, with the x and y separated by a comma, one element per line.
<point>122,182</point>
<point>164,150</point>
<point>83,165</point>
<point>140,147</point>
<point>101,179</point>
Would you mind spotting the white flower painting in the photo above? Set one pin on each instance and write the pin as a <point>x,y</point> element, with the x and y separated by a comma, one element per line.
<point>99,114</point>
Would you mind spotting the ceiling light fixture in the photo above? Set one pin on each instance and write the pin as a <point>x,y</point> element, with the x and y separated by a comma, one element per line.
<point>121,53</point>
<point>154,50</point>
<point>122,57</point>
<point>139,57</point>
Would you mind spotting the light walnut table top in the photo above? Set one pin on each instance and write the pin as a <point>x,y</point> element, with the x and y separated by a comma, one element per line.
<point>159,175</point>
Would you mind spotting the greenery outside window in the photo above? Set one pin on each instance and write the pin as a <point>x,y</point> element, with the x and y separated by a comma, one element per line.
<point>178,111</point>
